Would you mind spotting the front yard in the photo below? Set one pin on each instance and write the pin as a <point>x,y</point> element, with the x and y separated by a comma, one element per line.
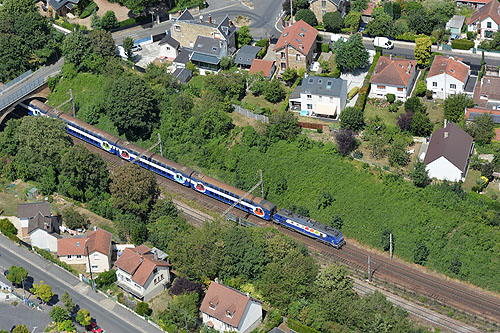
<point>374,108</point>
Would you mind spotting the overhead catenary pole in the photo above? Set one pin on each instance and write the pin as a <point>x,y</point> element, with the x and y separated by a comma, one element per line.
<point>159,141</point>
<point>72,103</point>
<point>390,244</point>
<point>244,196</point>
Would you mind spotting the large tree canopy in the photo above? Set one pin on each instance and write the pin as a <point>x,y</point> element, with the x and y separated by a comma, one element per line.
<point>350,54</point>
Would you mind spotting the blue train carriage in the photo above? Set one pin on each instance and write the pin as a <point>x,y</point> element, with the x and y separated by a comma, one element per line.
<point>154,162</point>
<point>311,228</point>
<point>216,189</point>
<point>77,128</point>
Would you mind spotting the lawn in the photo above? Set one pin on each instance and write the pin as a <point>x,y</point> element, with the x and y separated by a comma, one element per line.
<point>471,178</point>
<point>198,81</point>
<point>389,118</point>
<point>260,101</point>
<point>159,303</point>
<point>435,111</point>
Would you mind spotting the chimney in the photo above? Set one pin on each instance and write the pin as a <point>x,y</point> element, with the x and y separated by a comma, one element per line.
<point>179,13</point>
<point>210,18</point>
<point>390,56</point>
<point>248,295</point>
<point>230,23</point>
<point>445,135</point>
<point>216,280</point>
<point>201,18</point>
<point>409,68</point>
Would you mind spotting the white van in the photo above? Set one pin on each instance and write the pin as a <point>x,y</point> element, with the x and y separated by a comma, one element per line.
<point>383,42</point>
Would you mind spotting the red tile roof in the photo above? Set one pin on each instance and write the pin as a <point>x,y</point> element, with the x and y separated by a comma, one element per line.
<point>225,303</point>
<point>259,65</point>
<point>71,246</point>
<point>454,67</point>
<point>369,10</point>
<point>488,10</point>
<point>497,134</point>
<point>99,240</point>
<point>468,112</point>
<point>301,36</point>
<point>139,262</point>
<point>393,72</point>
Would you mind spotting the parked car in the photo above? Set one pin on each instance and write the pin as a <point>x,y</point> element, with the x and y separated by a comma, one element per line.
<point>6,272</point>
<point>136,48</point>
<point>383,42</point>
<point>94,328</point>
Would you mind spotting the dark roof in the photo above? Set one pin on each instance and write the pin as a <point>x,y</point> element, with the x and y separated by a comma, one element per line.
<point>29,210</point>
<point>226,27</point>
<point>182,57</point>
<point>183,74</point>
<point>295,93</point>
<point>185,16</point>
<point>451,142</point>
<point>325,86</point>
<point>335,2</point>
<point>205,58</point>
<point>276,330</point>
<point>170,41</point>
<point>48,223</point>
<point>473,113</point>
<point>246,55</point>
<point>210,46</point>
<point>56,4</point>
<point>471,83</point>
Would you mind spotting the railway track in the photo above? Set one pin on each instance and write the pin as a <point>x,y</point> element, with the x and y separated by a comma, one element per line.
<point>453,293</point>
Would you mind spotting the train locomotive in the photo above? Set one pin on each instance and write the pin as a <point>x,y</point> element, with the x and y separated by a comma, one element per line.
<point>187,177</point>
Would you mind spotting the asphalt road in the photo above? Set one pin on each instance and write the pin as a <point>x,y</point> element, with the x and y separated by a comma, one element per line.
<point>110,316</point>
<point>11,316</point>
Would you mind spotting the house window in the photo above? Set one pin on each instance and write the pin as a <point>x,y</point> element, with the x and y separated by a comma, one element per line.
<point>309,96</point>
<point>323,3</point>
<point>309,106</point>
<point>453,86</point>
<point>381,87</point>
<point>488,25</point>
<point>168,48</point>
<point>283,55</point>
<point>434,84</point>
<point>96,256</point>
<point>283,65</point>
<point>95,267</point>
<point>177,27</point>
<point>400,89</point>
<point>78,257</point>
<point>128,280</point>
<point>320,98</point>
<point>69,257</point>
<point>323,12</point>
<point>297,57</point>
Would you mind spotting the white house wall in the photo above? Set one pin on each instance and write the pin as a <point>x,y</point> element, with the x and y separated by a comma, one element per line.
<point>168,51</point>
<point>443,169</point>
<point>310,104</point>
<point>484,26</point>
<point>150,288</point>
<point>43,240</point>
<point>443,85</point>
<point>122,276</point>
<point>251,317</point>
<point>218,324</point>
<point>100,260</point>
<point>376,92</point>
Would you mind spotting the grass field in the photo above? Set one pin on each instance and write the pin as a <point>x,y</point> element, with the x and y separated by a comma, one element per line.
<point>260,101</point>
<point>371,111</point>
<point>470,180</point>
<point>435,111</point>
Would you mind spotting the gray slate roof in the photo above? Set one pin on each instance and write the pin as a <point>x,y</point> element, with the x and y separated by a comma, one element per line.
<point>451,142</point>
<point>56,4</point>
<point>246,55</point>
<point>457,21</point>
<point>210,46</point>
<point>183,74</point>
<point>335,2</point>
<point>29,210</point>
<point>48,223</point>
<point>324,86</point>
<point>170,41</point>
<point>182,57</point>
<point>474,115</point>
<point>276,330</point>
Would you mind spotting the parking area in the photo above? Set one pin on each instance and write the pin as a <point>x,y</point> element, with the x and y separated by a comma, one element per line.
<point>356,78</point>
<point>11,316</point>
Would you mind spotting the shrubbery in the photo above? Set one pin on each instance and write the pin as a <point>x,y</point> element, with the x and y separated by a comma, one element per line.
<point>462,44</point>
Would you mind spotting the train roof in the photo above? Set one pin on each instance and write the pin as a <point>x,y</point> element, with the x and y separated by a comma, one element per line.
<point>258,200</point>
<point>309,222</point>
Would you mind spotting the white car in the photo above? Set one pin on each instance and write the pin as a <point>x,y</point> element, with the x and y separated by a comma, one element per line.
<point>383,42</point>
<point>136,48</point>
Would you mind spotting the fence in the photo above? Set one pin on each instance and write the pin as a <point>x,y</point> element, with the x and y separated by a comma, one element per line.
<point>16,80</point>
<point>21,92</point>
<point>250,114</point>
<point>147,40</point>
<point>311,125</point>
<point>240,221</point>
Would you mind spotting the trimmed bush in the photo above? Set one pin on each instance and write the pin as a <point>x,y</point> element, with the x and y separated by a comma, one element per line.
<point>325,48</point>
<point>462,44</point>
<point>353,92</point>
<point>89,10</point>
<point>390,98</point>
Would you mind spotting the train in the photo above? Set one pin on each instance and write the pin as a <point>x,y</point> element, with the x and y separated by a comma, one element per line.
<point>185,176</point>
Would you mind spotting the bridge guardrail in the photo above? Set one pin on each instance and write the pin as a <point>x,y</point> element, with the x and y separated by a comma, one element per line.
<point>16,80</point>
<point>21,92</point>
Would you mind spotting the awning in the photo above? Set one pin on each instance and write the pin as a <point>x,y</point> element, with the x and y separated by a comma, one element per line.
<point>326,109</point>
<point>205,58</point>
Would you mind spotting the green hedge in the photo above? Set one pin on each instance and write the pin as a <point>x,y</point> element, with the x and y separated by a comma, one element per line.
<point>462,44</point>
<point>353,92</point>
<point>410,37</point>
<point>47,255</point>
<point>299,327</point>
<point>134,20</point>
<point>91,7</point>
<point>365,89</point>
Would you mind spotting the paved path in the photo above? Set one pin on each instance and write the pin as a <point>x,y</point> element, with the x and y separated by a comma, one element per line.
<point>110,316</point>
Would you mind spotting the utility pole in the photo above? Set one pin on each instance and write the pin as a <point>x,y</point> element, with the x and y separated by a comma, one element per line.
<point>90,268</point>
<point>291,12</point>
<point>161,149</point>
<point>24,291</point>
<point>244,196</point>
<point>261,185</point>
<point>390,244</point>
<point>72,102</point>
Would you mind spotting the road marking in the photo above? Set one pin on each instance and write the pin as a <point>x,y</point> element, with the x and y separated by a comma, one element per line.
<point>72,287</point>
<point>217,9</point>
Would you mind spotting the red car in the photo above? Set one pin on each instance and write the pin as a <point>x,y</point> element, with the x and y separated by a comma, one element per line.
<point>94,328</point>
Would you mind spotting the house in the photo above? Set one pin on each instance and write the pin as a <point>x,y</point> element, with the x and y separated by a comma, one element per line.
<point>472,3</point>
<point>186,29</point>
<point>486,20</point>
<point>448,154</point>
<point>226,309</point>
<point>169,47</point>
<point>487,93</point>
<point>27,211</point>
<point>366,15</point>
<point>208,52</point>
<point>142,272</point>
<point>393,76</point>
<point>183,74</point>
<point>245,56</point>
<point>44,231</point>
<point>265,67</point>
<point>447,76</point>
<point>455,25</point>
<point>62,7</point>
<point>474,112</point>
<point>319,96</point>
<point>321,7</point>
<point>96,248</point>
<point>296,46</point>
<point>182,58</point>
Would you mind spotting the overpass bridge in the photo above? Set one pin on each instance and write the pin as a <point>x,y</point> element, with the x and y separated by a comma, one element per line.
<point>16,90</point>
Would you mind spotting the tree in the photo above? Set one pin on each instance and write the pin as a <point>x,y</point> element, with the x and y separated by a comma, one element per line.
<point>274,91</point>
<point>20,328</point>
<point>182,311</point>
<point>350,54</point>
<point>182,285</point>
<point>420,253</point>
<point>83,317</point>
<point>73,219</point>
<point>381,25</point>
<point>352,21</point>
<point>454,107</point>
<point>377,146</point>
<point>289,75</point>
<point>109,21</point>
<point>106,279</point>
<point>102,43</point>
<point>404,121</point>
<point>134,190</point>
<point>226,63</point>
<point>66,326</point>
<point>132,106</point>
<point>333,21</point>
<point>142,309</point>
<point>17,275</point>
<point>337,222</point>
<point>334,279</point>
<point>16,8</point>
<point>397,152</point>
<point>163,208</point>
<point>162,230</point>
<point>352,118</point>
<point>244,36</point>
<point>421,124</point>
<point>95,21</point>
<point>42,291</point>
<point>128,44</point>
<point>307,16</point>
<point>345,141</point>
<point>58,314</point>
<point>421,23</point>
<point>359,5</point>
<point>68,302</point>
<point>83,174</point>
<point>481,129</point>
<point>75,48</point>
<point>419,174</point>
<point>283,126</point>
<point>297,5</point>
<point>415,105</point>
<point>423,50</point>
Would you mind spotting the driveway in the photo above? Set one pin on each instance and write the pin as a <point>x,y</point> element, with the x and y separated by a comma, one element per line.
<point>356,78</point>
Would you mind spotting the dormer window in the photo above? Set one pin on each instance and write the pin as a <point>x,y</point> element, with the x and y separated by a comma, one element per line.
<point>177,27</point>
<point>230,311</point>
<point>301,34</point>
<point>213,303</point>
<point>229,314</point>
